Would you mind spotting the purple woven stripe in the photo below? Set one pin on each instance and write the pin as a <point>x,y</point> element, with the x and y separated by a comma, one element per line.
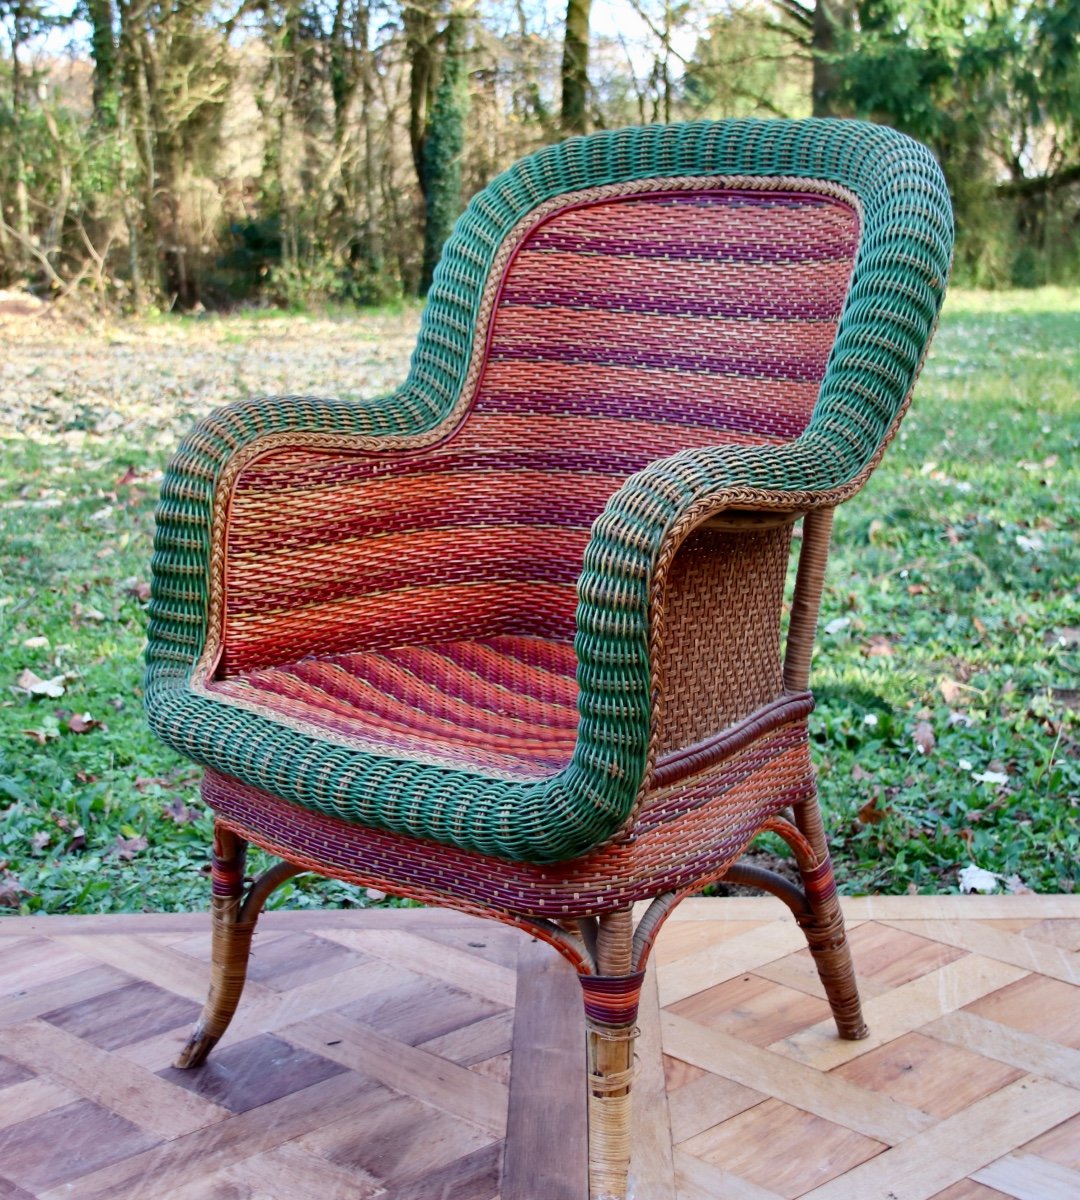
<point>612,999</point>
<point>702,249</point>
<point>651,403</point>
<point>790,305</point>
<point>794,368</point>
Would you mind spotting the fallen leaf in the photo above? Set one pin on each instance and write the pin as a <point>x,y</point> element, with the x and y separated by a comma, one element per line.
<point>36,643</point>
<point>837,624</point>
<point>1016,886</point>
<point>77,841</point>
<point>374,894</point>
<point>138,588</point>
<point>859,775</point>
<point>176,810</point>
<point>36,686</point>
<point>879,646</point>
<point>950,690</point>
<point>870,814</point>
<point>1067,639</point>
<point>995,777</point>
<point>975,879</point>
<point>127,847</point>
<point>980,628</point>
<point>11,890</point>
<point>82,723</point>
<point>41,736</point>
<point>41,839</point>
<point>924,737</point>
<point>86,612</point>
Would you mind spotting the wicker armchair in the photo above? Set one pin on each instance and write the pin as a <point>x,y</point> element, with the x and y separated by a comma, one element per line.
<point>509,639</point>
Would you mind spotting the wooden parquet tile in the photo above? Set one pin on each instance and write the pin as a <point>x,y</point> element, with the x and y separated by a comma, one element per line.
<point>420,1055</point>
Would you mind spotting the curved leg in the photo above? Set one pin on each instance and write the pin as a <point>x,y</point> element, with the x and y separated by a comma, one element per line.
<point>824,927</point>
<point>611,1003</point>
<point>234,921</point>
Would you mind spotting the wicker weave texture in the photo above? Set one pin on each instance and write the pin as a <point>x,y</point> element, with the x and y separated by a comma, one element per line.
<point>838,427</point>
<point>624,329</point>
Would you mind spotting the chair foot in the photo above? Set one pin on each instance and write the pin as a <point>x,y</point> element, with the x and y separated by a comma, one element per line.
<point>825,933</point>
<point>231,947</point>
<point>611,1005</point>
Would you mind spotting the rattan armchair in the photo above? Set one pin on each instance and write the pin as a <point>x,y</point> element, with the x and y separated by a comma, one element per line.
<point>509,639</point>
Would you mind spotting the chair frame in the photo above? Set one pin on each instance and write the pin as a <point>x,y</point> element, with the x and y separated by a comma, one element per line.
<point>739,493</point>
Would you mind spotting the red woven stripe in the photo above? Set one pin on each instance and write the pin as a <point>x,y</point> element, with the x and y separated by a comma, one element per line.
<point>408,616</point>
<point>506,703</point>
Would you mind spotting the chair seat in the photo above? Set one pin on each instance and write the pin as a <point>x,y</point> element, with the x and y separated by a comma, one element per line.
<point>504,706</point>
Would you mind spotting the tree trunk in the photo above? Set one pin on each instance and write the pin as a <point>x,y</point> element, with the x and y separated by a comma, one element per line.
<point>832,19</point>
<point>104,52</point>
<point>443,144</point>
<point>575,64</point>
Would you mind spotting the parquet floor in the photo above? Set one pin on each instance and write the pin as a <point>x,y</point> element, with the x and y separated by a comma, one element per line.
<point>371,1057</point>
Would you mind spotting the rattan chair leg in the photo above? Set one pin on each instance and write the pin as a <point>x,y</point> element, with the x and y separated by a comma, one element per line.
<point>611,1004</point>
<point>230,948</point>
<point>824,928</point>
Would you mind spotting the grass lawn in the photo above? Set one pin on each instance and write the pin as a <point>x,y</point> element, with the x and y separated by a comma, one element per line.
<point>948,664</point>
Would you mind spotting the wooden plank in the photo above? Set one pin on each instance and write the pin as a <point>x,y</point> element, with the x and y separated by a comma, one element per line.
<point>114,924</point>
<point>882,908</point>
<point>286,1173</point>
<point>83,985</point>
<point>956,1147</point>
<point>652,1171</point>
<point>705,1102</point>
<point>1028,1177</point>
<point>978,938</point>
<point>425,957</point>
<point>934,1076</point>
<point>142,958</point>
<point>834,1099</point>
<point>32,962</point>
<point>549,1061</point>
<point>736,956</point>
<point>968,1189</point>
<point>782,1148</point>
<point>700,1180</point>
<point>1060,932</point>
<point>163,1169</point>
<point>906,1008</point>
<point>407,1069</point>
<point>401,1142</point>
<point>476,1042</point>
<point>1013,1046</point>
<point>31,1098</point>
<point>135,1094</point>
<point>753,1009</point>
<point>687,937</point>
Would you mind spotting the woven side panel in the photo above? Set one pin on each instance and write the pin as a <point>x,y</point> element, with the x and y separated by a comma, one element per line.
<point>720,657</point>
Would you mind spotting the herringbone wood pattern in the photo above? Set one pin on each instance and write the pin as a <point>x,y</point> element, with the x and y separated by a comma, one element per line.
<point>371,1058</point>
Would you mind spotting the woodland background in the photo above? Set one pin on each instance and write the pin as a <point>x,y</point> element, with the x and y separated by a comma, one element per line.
<point>188,154</point>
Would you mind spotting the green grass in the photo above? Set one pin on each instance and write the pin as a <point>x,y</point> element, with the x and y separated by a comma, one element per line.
<point>951,609</point>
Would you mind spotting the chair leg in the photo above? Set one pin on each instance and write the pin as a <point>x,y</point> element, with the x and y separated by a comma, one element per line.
<point>824,928</point>
<point>611,1004</point>
<point>230,950</point>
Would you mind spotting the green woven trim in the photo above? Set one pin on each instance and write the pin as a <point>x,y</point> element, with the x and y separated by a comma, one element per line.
<point>896,291</point>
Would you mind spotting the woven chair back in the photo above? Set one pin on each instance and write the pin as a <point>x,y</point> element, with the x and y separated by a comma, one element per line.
<point>628,323</point>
